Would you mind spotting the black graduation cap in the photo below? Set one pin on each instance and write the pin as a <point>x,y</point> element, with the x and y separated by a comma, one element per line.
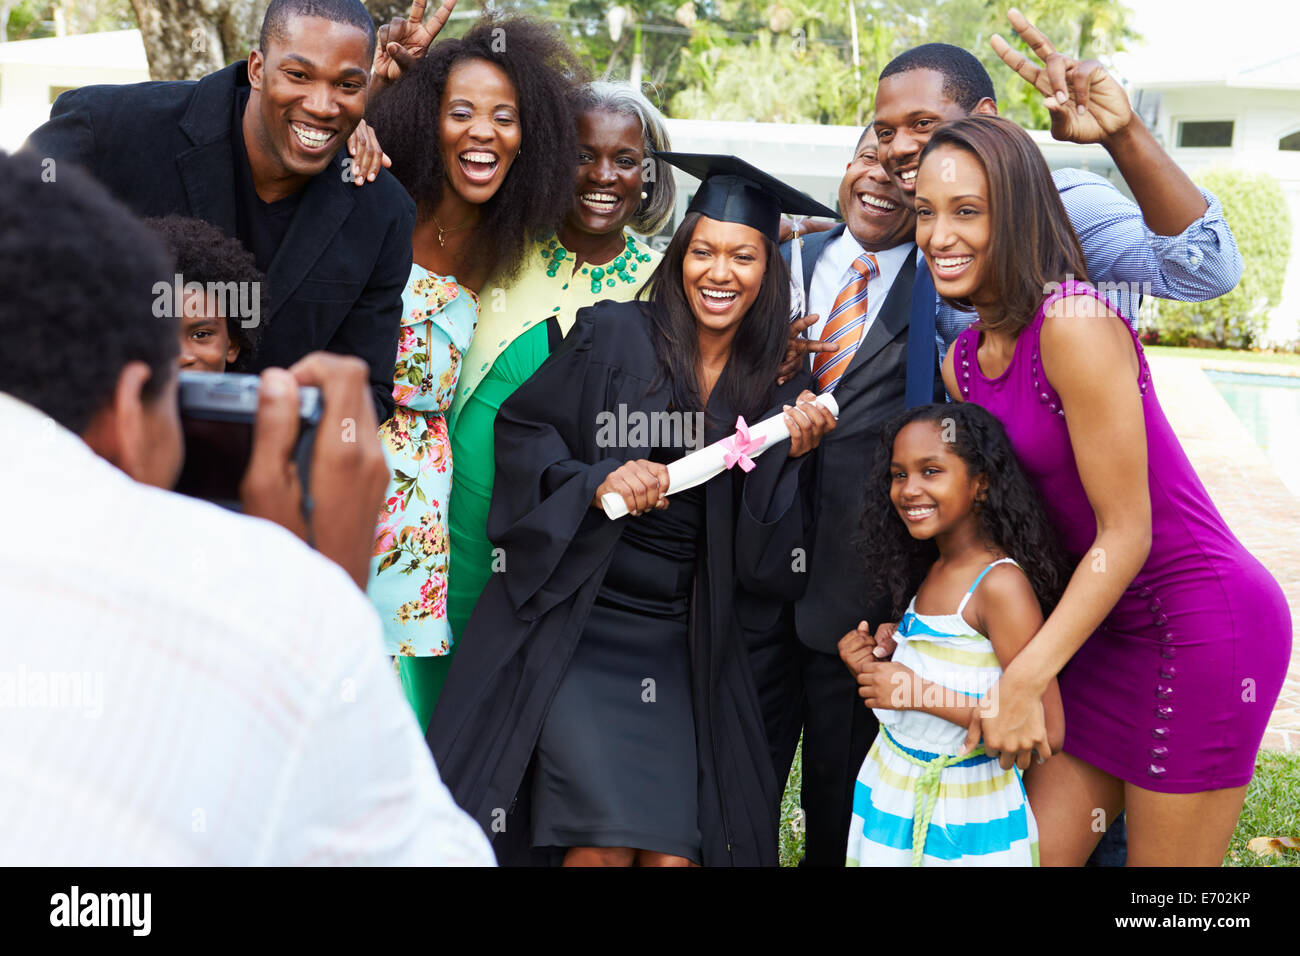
<point>734,191</point>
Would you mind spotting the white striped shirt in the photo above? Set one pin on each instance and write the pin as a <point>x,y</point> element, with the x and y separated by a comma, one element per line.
<point>183,685</point>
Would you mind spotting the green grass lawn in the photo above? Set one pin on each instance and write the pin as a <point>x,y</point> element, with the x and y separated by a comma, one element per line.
<point>1272,809</point>
<point>1226,355</point>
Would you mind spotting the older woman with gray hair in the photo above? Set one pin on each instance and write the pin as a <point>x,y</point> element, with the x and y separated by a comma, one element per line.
<point>621,189</point>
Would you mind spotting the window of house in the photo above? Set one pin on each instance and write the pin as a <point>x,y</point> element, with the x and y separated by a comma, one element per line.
<point>1203,134</point>
<point>1290,142</point>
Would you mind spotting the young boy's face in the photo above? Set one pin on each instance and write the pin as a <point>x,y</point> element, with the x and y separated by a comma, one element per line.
<point>206,345</point>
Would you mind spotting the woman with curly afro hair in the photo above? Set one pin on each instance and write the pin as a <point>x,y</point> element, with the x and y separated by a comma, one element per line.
<point>480,132</point>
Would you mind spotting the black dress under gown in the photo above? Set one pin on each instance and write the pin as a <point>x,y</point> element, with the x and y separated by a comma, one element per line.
<point>616,762</point>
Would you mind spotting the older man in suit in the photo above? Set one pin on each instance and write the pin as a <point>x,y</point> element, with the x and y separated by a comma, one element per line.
<point>255,150</point>
<point>860,282</point>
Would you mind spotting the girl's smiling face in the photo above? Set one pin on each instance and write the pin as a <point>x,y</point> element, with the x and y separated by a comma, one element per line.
<point>206,345</point>
<point>931,488</point>
<point>952,222</point>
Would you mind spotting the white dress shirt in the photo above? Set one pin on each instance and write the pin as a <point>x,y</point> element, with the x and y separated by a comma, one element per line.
<point>183,685</point>
<point>834,269</point>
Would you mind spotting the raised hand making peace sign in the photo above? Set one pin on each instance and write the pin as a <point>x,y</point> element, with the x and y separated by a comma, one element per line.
<point>1086,103</point>
<point>404,40</point>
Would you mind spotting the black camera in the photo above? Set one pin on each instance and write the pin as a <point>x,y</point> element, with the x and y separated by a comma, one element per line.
<point>217,415</point>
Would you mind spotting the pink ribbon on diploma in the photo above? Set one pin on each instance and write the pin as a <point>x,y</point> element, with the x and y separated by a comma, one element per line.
<point>738,447</point>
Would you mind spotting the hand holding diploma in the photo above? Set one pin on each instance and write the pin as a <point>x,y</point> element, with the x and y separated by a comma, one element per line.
<point>638,486</point>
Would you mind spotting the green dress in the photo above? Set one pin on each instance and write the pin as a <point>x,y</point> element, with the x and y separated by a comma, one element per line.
<point>507,350</point>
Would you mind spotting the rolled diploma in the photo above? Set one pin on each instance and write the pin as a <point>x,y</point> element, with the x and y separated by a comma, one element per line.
<point>699,466</point>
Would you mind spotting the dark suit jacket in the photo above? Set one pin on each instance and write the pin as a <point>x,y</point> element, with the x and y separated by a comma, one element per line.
<point>869,394</point>
<point>164,149</point>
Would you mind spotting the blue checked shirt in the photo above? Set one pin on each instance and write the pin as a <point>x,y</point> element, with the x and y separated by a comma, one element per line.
<point>1126,260</point>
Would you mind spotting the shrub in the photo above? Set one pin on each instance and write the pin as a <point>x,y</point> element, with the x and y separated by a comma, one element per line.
<point>1256,210</point>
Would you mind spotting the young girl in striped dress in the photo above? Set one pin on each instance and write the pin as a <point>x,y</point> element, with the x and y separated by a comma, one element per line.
<point>951,519</point>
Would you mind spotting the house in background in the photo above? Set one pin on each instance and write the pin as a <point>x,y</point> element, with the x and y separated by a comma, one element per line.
<point>34,72</point>
<point>1246,117</point>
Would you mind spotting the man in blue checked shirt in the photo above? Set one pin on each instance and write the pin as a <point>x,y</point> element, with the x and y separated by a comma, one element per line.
<point>1173,244</point>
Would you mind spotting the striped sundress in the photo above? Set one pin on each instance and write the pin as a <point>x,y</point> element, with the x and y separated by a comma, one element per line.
<point>977,812</point>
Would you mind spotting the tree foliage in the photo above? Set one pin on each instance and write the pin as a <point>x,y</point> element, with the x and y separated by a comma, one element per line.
<point>763,60</point>
<point>35,19</point>
<point>1256,210</point>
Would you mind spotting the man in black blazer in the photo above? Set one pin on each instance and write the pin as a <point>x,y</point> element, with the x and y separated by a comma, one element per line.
<point>255,149</point>
<point>801,679</point>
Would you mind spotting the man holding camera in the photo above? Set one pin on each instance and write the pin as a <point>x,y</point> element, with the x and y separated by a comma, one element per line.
<point>183,685</point>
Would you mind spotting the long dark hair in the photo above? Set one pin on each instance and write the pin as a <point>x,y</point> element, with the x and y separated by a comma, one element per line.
<point>1032,245</point>
<point>538,189</point>
<point>1011,517</point>
<point>756,352</point>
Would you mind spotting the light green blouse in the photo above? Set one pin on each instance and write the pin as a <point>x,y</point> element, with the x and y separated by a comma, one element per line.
<point>546,286</point>
<point>510,345</point>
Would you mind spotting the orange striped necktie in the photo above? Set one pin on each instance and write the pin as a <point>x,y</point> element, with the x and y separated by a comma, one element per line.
<point>847,319</point>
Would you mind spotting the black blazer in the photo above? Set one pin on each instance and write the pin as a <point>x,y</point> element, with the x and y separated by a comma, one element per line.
<point>336,282</point>
<point>869,394</point>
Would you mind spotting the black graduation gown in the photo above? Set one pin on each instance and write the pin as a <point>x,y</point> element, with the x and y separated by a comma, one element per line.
<point>557,547</point>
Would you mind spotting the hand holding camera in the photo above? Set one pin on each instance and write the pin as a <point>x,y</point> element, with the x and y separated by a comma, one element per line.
<point>347,474</point>
<point>287,436</point>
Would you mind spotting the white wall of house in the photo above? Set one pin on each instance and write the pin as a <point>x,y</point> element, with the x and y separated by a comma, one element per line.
<point>1261,117</point>
<point>30,70</point>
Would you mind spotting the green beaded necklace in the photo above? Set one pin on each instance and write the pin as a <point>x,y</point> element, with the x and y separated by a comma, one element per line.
<point>620,269</point>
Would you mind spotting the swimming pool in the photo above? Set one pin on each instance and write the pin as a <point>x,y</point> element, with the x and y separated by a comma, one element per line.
<point>1269,407</point>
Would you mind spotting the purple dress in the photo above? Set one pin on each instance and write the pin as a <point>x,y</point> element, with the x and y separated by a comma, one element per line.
<point>1174,690</point>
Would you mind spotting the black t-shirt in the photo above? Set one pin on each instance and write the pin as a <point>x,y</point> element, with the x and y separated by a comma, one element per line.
<point>260,226</point>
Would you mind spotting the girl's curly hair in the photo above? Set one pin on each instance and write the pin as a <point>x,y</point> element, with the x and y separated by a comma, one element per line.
<point>1011,517</point>
<point>538,189</point>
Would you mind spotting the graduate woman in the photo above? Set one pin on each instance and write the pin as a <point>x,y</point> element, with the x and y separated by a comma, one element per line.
<point>601,710</point>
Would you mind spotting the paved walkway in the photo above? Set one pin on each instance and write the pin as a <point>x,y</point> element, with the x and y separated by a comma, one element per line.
<point>1263,514</point>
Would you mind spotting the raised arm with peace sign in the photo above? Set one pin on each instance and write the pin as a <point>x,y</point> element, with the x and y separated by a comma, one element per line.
<point>404,40</point>
<point>1089,106</point>
<point>1086,103</point>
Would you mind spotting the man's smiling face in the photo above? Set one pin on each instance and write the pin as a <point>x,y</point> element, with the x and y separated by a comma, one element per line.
<point>310,92</point>
<point>870,202</point>
<point>909,106</point>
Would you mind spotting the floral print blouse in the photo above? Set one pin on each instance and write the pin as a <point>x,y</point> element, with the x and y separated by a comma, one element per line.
<point>408,566</point>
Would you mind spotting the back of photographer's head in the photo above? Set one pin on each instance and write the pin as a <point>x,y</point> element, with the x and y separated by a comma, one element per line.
<point>79,337</point>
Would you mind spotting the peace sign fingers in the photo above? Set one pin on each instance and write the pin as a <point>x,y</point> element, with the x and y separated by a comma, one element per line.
<point>416,14</point>
<point>1030,34</point>
<point>1019,63</point>
<point>1051,79</point>
<point>440,16</point>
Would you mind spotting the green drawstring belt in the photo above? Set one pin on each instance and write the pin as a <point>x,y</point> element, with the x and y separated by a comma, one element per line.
<point>927,789</point>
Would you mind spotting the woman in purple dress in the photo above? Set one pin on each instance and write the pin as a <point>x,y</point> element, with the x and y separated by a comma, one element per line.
<point>1171,639</point>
